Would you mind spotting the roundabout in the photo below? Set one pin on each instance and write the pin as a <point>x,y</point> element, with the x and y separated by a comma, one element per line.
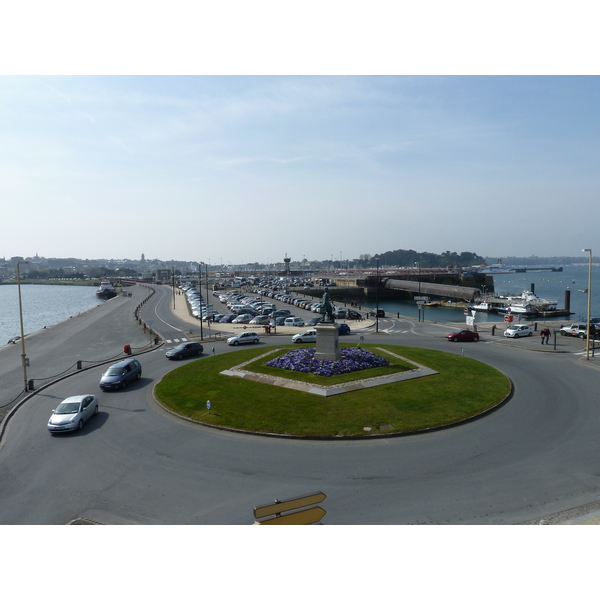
<point>418,390</point>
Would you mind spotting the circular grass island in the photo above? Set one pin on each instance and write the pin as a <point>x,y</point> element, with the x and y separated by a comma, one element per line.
<point>417,390</point>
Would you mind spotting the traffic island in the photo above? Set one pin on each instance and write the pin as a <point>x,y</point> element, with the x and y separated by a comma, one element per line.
<point>462,389</point>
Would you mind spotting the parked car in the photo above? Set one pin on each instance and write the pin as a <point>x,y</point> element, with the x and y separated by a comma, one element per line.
<point>282,312</point>
<point>72,413</point>
<point>120,374</point>
<point>277,321</point>
<point>343,329</point>
<point>260,320</point>
<point>310,335</point>
<point>463,335</point>
<point>183,350</point>
<point>294,322</point>
<point>227,318</point>
<point>243,318</point>
<point>313,321</point>
<point>247,337</point>
<point>516,331</point>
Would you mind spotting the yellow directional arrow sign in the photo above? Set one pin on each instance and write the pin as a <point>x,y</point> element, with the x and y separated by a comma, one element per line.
<point>301,517</point>
<point>290,504</point>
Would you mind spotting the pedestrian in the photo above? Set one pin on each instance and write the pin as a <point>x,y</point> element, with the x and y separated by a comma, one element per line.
<point>547,335</point>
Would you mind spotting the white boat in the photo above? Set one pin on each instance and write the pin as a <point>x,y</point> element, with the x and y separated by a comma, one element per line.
<point>526,304</point>
<point>106,290</point>
<point>486,307</point>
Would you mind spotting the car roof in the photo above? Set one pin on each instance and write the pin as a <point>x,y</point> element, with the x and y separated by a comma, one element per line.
<point>76,398</point>
<point>123,362</point>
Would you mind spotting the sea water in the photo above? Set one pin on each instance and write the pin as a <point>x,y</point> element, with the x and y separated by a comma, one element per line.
<point>547,284</point>
<point>43,305</point>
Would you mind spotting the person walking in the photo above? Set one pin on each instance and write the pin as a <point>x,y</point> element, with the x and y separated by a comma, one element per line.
<point>543,335</point>
<point>547,335</point>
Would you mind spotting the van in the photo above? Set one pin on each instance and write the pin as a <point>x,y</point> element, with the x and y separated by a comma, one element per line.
<point>294,322</point>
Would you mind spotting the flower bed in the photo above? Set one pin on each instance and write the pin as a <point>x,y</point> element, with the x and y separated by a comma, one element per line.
<point>353,359</point>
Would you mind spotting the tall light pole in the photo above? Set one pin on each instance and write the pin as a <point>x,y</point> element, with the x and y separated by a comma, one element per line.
<point>23,355</point>
<point>589,306</point>
<point>377,300</point>
<point>200,291</point>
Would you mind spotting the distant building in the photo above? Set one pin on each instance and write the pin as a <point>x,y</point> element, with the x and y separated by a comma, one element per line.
<point>163,274</point>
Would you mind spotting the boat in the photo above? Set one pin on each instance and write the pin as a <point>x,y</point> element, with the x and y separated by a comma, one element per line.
<point>495,269</point>
<point>527,304</point>
<point>486,307</point>
<point>106,290</point>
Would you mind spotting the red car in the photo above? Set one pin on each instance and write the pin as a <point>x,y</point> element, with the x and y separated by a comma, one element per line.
<point>463,335</point>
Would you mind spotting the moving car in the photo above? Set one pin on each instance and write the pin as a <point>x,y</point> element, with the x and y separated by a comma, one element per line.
<point>463,335</point>
<point>72,413</point>
<point>248,337</point>
<point>579,329</point>
<point>516,331</point>
<point>310,335</point>
<point>120,374</point>
<point>343,329</point>
<point>183,350</point>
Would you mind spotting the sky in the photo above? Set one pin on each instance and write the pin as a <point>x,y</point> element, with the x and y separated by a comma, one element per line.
<point>236,168</point>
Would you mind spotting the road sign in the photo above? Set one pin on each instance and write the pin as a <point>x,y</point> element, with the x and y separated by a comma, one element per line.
<point>300,517</point>
<point>208,404</point>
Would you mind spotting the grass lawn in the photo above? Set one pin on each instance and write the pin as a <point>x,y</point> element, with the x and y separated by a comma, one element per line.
<point>463,388</point>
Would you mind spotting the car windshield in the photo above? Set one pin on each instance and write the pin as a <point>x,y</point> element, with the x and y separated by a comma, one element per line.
<point>113,371</point>
<point>67,408</point>
<point>180,347</point>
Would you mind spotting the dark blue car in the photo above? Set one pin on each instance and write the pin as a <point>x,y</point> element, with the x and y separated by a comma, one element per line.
<point>120,374</point>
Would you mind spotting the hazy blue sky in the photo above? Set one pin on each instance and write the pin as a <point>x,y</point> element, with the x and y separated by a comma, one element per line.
<point>249,168</point>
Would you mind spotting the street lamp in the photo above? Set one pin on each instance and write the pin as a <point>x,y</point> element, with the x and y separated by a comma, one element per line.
<point>200,291</point>
<point>23,355</point>
<point>589,306</point>
<point>377,300</point>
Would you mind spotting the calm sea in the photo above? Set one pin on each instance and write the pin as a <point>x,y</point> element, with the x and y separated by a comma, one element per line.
<point>43,305</point>
<point>546,284</point>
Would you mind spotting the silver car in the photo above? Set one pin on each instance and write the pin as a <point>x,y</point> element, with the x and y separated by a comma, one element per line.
<point>72,413</point>
<point>248,337</point>
<point>516,331</point>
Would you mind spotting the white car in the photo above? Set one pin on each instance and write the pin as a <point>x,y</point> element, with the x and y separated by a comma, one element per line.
<point>294,322</point>
<point>247,337</point>
<point>310,335</point>
<point>516,331</point>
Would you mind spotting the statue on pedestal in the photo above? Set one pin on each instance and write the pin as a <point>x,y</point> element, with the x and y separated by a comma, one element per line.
<point>326,308</point>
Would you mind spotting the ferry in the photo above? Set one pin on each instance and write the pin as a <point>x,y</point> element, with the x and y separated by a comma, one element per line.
<point>106,290</point>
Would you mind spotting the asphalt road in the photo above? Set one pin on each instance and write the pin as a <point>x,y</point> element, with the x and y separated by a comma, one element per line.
<point>134,463</point>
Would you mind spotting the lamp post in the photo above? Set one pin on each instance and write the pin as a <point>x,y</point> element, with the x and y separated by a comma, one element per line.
<point>589,306</point>
<point>200,291</point>
<point>23,355</point>
<point>377,300</point>
<point>206,301</point>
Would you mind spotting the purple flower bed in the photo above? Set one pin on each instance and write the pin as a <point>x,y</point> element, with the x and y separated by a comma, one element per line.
<point>353,359</point>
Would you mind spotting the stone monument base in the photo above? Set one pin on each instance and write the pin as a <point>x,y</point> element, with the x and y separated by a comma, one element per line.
<point>328,342</point>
